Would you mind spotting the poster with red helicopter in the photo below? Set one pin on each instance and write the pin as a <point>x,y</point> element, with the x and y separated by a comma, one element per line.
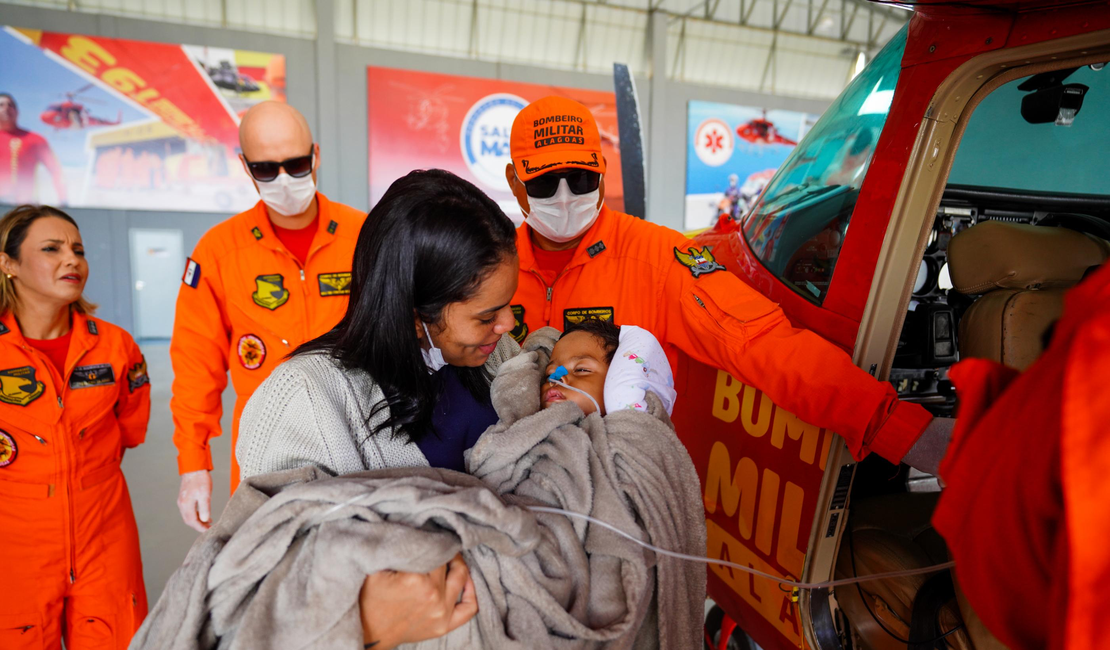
<point>99,122</point>
<point>731,153</point>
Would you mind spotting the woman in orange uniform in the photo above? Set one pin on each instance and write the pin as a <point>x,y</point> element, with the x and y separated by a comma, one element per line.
<point>73,395</point>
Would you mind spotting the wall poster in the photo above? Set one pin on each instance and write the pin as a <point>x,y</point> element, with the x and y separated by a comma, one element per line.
<point>422,120</point>
<point>731,154</point>
<point>96,122</point>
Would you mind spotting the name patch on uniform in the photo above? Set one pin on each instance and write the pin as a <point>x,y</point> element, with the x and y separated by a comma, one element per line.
<point>574,316</point>
<point>270,291</point>
<point>334,284</point>
<point>520,328</point>
<point>191,277</point>
<point>332,225</point>
<point>699,262</point>
<point>252,351</point>
<point>18,386</point>
<point>8,449</point>
<point>100,374</point>
<point>596,249</point>
<point>256,232</point>
<point>137,377</point>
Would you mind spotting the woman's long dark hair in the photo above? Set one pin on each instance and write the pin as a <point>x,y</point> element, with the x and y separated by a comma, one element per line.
<point>430,241</point>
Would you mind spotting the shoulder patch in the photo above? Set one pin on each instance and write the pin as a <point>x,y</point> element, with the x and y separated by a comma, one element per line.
<point>91,324</point>
<point>596,249</point>
<point>699,262</point>
<point>191,277</point>
<point>256,232</point>
<point>100,374</point>
<point>8,449</point>
<point>3,329</point>
<point>574,316</point>
<point>332,226</point>
<point>251,351</point>
<point>18,386</point>
<point>137,377</point>
<point>334,284</point>
<point>270,291</point>
<point>520,328</point>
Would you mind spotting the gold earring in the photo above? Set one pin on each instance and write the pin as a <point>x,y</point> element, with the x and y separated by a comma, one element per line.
<point>9,275</point>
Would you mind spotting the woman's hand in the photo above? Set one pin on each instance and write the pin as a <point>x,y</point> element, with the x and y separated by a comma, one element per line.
<point>398,607</point>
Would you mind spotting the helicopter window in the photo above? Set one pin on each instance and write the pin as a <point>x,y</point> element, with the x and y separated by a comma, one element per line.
<point>1025,137</point>
<point>798,226</point>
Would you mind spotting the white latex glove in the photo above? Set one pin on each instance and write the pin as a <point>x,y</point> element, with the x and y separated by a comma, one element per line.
<point>194,499</point>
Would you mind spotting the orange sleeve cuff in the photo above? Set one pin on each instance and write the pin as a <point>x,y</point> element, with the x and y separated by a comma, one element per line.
<point>899,432</point>
<point>192,458</point>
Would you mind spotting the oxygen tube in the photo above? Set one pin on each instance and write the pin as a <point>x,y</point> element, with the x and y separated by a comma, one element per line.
<point>561,372</point>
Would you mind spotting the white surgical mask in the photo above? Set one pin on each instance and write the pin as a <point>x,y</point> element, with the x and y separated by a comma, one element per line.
<point>287,195</point>
<point>564,216</point>
<point>433,356</point>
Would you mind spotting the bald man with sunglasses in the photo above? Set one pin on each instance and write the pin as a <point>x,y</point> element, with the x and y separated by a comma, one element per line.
<point>256,287</point>
<point>579,260</point>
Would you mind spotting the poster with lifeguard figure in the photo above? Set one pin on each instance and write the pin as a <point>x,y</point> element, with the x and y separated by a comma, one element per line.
<point>96,122</point>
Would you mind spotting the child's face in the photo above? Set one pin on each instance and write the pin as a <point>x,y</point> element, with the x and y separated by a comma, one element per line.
<point>584,357</point>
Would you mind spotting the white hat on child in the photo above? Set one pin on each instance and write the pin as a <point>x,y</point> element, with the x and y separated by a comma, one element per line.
<point>639,365</point>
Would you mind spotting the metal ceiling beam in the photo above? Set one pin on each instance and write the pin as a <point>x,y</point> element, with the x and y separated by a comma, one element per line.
<point>886,12</point>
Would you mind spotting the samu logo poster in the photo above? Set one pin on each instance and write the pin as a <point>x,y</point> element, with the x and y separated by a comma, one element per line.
<point>424,120</point>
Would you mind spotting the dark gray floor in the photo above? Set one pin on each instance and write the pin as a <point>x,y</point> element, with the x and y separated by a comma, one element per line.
<point>151,471</point>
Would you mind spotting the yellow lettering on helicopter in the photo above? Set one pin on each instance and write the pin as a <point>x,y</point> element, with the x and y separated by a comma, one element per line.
<point>735,490</point>
<point>729,405</point>
<point>763,595</point>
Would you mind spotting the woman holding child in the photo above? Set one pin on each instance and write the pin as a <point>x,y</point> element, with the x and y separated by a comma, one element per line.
<point>403,380</point>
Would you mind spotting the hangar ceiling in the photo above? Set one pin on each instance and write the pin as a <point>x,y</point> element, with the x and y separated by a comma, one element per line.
<point>800,48</point>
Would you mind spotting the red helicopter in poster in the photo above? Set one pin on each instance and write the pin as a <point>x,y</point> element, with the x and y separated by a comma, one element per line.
<point>762,131</point>
<point>71,114</point>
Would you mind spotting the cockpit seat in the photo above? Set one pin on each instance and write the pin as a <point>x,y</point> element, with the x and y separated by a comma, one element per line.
<point>1020,274</point>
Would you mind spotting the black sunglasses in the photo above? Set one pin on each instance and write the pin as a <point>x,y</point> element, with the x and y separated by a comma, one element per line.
<point>580,181</point>
<point>266,171</point>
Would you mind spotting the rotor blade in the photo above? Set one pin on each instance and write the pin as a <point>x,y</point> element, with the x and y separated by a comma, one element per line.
<point>630,129</point>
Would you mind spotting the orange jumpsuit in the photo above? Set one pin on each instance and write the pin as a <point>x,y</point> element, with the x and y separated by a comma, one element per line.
<point>247,302</point>
<point>70,546</point>
<point>1025,511</point>
<point>639,273</point>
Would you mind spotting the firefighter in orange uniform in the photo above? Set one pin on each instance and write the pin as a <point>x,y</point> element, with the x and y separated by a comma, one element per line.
<point>1025,510</point>
<point>256,287</point>
<point>579,259</point>
<point>73,396</point>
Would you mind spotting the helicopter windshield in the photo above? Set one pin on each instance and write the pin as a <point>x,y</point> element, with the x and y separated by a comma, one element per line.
<point>797,227</point>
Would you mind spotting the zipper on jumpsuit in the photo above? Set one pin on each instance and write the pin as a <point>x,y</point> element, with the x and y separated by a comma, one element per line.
<point>550,292</point>
<point>304,290</point>
<point>68,470</point>
<point>71,464</point>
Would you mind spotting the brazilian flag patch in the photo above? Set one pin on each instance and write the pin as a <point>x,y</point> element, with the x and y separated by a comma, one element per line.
<point>334,284</point>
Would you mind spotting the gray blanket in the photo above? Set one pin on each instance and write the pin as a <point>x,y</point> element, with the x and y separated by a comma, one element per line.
<point>283,566</point>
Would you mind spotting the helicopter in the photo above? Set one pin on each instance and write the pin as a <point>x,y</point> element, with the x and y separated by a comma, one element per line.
<point>71,114</point>
<point>227,77</point>
<point>762,131</point>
